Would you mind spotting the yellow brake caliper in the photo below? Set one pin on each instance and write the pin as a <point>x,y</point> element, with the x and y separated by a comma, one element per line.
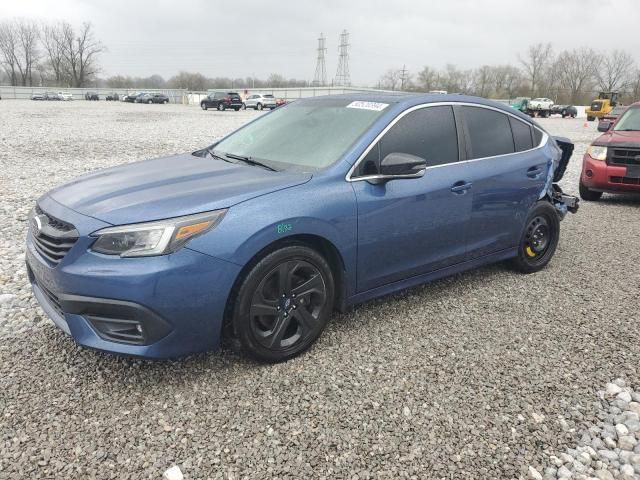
<point>529,252</point>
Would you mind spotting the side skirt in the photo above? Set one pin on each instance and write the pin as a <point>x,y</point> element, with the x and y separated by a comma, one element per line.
<point>431,276</point>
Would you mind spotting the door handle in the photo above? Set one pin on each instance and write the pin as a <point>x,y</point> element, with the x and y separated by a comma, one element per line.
<point>461,187</point>
<point>533,172</point>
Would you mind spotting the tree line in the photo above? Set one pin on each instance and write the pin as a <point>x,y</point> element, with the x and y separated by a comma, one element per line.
<point>569,76</point>
<point>60,54</point>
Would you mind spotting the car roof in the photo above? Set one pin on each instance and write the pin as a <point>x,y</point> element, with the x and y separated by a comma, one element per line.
<point>405,100</point>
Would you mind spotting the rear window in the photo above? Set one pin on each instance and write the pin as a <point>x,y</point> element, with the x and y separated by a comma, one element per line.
<point>521,135</point>
<point>489,132</point>
<point>268,96</point>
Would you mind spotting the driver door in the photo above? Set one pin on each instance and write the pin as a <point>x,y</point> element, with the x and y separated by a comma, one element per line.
<point>408,227</point>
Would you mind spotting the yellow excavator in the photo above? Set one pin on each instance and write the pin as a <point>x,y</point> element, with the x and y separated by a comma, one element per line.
<point>602,105</point>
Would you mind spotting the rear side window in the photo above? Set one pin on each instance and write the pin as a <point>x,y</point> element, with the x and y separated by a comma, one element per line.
<point>521,135</point>
<point>429,133</point>
<point>489,132</point>
<point>537,137</point>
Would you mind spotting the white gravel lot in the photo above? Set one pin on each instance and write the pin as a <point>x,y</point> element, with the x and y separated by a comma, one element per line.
<point>490,374</point>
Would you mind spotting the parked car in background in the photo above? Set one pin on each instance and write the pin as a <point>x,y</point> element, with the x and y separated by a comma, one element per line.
<point>131,98</point>
<point>318,206</point>
<point>259,101</point>
<point>112,97</point>
<point>564,111</point>
<point>222,101</point>
<point>37,96</point>
<point>52,96</point>
<point>152,98</point>
<point>281,102</point>
<point>91,96</point>
<point>65,96</point>
<point>612,162</point>
<point>605,122</point>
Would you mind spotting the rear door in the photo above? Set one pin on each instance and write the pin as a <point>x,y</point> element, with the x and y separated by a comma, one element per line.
<point>408,227</point>
<point>508,173</point>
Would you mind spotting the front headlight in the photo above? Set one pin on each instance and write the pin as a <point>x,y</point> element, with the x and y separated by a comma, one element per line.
<point>597,153</point>
<point>154,238</point>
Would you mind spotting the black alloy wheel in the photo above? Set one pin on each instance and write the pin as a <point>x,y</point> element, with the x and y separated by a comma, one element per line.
<point>539,238</point>
<point>283,304</point>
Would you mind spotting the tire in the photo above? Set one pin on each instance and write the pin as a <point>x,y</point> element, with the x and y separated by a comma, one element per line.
<point>259,106</point>
<point>274,316</point>
<point>165,102</point>
<point>564,113</point>
<point>539,238</point>
<point>587,194</point>
<point>221,107</point>
<point>237,109</point>
<point>203,106</point>
<point>150,102</point>
<point>574,115</point>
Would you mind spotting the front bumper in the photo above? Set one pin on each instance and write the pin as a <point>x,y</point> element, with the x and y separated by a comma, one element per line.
<point>598,175</point>
<point>158,307</point>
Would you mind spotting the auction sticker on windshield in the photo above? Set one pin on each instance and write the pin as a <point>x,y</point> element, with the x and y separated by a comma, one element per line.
<point>368,105</point>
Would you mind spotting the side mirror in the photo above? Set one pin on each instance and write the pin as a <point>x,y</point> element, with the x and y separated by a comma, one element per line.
<point>402,165</point>
<point>604,126</point>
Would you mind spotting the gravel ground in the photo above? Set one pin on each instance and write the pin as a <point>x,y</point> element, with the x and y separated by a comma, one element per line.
<point>486,375</point>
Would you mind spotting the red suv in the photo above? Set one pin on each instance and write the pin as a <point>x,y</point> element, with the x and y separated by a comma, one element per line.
<point>612,162</point>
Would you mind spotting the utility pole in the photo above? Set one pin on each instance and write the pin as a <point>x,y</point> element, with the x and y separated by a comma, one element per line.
<point>320,78</point>
<point>404,76</point>
<point>343,77</point>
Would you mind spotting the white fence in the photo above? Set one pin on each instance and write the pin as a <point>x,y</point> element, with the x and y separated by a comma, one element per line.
<point>181,95</point>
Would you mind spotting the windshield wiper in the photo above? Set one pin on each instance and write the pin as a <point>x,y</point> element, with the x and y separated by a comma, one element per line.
<point>250,161</point>
<point>215,155</point>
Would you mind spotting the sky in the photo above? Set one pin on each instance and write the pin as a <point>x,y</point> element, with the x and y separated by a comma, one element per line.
<point>244,38</point>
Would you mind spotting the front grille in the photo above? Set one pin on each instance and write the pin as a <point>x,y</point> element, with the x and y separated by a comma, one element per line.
<point>625,180</point>
<point>53,238</point>
<point>624,156</point>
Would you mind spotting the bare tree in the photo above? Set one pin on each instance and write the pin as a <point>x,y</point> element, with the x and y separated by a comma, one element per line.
<point>507,80</point>
<point>52,40</point>
<point>483,79</point>
<point>80,53</point>
<point>537,58</point>
<point>577,69</point>
<point>390,79</point>
<point>615,70</point>
<point>428,79</point>
<point>9,51</point>
<point>27,34</point>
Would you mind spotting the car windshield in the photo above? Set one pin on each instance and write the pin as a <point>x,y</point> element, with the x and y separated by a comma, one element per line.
<point>307,136</point>
<point>629,121</point>
<point>617,111</point>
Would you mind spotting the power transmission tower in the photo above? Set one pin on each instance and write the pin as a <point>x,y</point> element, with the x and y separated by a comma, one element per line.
<point>320,78</point>
<point>343,77</point>
<point>404,76</point>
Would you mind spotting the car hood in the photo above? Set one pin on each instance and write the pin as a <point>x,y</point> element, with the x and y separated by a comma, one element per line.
<point>169,187</point>
<point>619,139</point>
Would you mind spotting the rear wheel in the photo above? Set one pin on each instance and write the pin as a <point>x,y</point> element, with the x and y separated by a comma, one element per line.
<point>259,106</point>
<point>539,239</point>
<point>149,102</point>
<point>237,109</point>
<point>221,107</point>
<point>587,194</point>
<point>165,102</point>
<point>283,304</point>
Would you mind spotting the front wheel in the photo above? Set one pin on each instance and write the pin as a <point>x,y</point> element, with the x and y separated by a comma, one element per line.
<point>539,239</point>
<point>283,304</point>
<point>150,102</point>
<point>259,106</point>
<point>203,106</point>
<point>587,194</point>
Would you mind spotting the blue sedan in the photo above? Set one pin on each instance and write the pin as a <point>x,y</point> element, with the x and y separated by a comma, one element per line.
<point>314,207</point>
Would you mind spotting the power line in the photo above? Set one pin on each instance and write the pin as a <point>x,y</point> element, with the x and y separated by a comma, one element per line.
<point>343,77</point>
<point>404,75</point>
<point>320,78</point>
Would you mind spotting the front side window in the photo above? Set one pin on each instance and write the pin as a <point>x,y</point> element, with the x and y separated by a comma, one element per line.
<point>489,132</point>
<point>429,133</point>
<point>307,135</point>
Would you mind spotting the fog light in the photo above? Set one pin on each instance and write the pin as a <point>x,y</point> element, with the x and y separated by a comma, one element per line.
<point>589,173</point>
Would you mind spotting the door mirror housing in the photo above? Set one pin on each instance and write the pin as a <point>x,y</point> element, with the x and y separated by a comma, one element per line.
<point>403,165</point>
<point>604,126</point>
<point>399,165</point>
